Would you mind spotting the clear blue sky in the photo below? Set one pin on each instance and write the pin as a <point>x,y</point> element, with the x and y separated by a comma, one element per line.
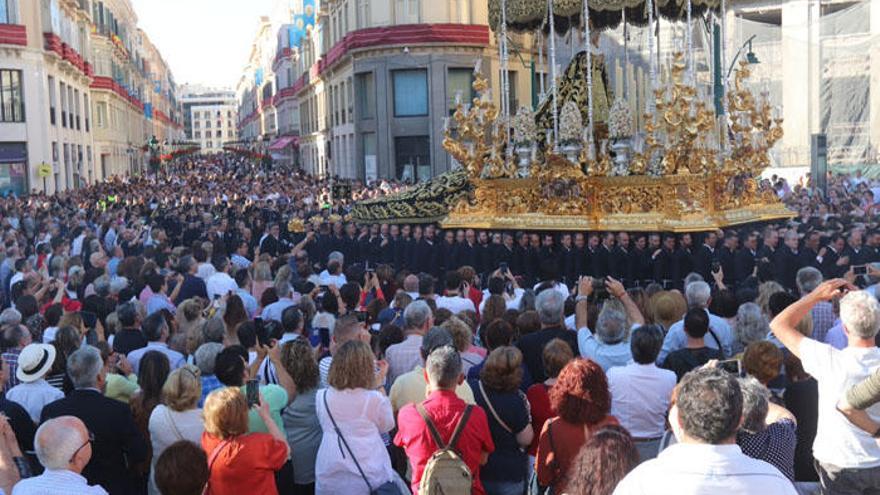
<point>204,41</point>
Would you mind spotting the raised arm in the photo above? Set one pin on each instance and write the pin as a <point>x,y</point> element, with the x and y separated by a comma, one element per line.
<point>783,326</point>
<point>616,289</point>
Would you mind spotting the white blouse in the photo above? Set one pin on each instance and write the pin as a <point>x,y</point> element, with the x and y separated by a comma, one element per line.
<point>168,426</point>
<point>362,415</point>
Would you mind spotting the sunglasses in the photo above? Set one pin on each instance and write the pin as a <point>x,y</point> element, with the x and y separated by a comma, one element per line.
<point>90,440</point>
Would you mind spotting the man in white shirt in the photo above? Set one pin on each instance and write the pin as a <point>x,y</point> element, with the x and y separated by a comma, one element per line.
<point>640,392</point>
<point>33,392</point>
<point>848,458</point>
<point>64,447</point>
<point>333,274</point>
<point>455,299</point>
<point>706,458</point>
<point>220,283</point>
<point>699,295</point>
<point>156,331</point>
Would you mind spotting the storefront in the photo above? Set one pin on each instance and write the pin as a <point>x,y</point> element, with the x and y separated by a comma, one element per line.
<point>13,169</point>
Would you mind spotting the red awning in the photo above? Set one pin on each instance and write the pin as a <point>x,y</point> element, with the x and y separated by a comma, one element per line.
<point>283,142</point>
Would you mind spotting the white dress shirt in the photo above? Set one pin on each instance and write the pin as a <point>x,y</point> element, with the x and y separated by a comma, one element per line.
<point>696,469</point>
<point>57,482</point>
<point>337,280</point>
<point>220,284</point>
<point>640,396</point>
<point>838,442</point>
<point>175,359</point>
<point>676,338</point>
<point>34,396</point>
<point>456,304</point>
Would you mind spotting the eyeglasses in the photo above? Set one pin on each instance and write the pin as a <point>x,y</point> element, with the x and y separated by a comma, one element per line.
<point>90,440</point>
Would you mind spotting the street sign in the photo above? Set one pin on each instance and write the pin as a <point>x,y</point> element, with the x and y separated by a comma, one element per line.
<point>44,170</point>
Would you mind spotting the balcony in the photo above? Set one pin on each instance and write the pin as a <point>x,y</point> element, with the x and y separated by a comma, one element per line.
<point>13,34</point>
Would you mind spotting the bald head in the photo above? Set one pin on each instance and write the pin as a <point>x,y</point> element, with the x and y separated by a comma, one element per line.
<point>60,443</point>
<point>411,283</point>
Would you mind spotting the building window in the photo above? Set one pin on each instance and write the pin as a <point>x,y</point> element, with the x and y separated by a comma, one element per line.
<point>102,114</point>
<point>410,92</point>
<point>513,102</point>
<point>412,157</point>
<point>62,88</point>
<point>198,134</point>
<point>196,124</point>
<point>87,110</point>
<point>363,7</point>
<point>13,176</point>
<point>407,11</point>
<point>207,124</point>
<point>76,108</point>
<point>8,12</point>
<point>52,100</point>
<point>459,86</point>
<point>11,101</point>
<point>218,133</point>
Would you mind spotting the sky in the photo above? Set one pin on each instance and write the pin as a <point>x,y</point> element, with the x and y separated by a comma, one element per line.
<point>204,41</point>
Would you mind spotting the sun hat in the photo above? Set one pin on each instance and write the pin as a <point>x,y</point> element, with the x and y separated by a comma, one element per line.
<point>34,362</point>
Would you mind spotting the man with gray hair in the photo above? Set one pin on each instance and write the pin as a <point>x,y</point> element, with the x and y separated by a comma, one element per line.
<point>768,431</point>
<point>405,356</point>
<point>719,336</point>
<point>847,458</point>
<point>64,447</point>
<point>205,357</point>
<point>609,345</point>
<point>411,387</point>
<point>117,441</point>
<point>446,413</point>
<point>807,279</point>
<point>550,306</point>
<point>787,260</point>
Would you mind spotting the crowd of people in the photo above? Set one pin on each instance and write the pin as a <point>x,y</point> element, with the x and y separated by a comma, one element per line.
<point>172,335</point>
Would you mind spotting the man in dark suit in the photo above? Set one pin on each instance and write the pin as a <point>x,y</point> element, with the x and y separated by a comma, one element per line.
<point>448,252</point>
<point>567,260</point>
<point>705,256</point>
<point>726,257</point>
<point>602,256</point>
<point>639,260</point>
<point>580,254</point>
<point>854,249</point>
<point>621,266</point>
<point>118,443</point>
<point>467,252</point>
<point>746,258</point>
<point>425,253</point>
<point>664,262</point>
<point>684,257</point>
<point>787,261</point>
<point>520,263</point>
<point>832,262</point>
<point>550,304</point>
<point>809,255</point>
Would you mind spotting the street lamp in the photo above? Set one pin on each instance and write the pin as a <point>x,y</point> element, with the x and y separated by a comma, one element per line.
<point>750,55</point>
<point>718,86</point>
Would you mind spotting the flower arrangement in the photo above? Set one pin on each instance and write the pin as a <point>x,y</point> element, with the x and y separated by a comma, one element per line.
<point>571,124</point>
<point>620,121</point>
<point>524,129</point>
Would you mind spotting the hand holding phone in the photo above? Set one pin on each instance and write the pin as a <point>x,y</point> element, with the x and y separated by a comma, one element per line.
<point>252,393</point>
<point>860,270</point>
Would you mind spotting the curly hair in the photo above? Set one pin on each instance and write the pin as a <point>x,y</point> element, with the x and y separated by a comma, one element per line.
<point>605,459</point>
<point>502,371</point>
<point>299,361</point>
<point>581,394</point>
<point>762,360</point>
<point>352,367</point>
<point>460,331</point>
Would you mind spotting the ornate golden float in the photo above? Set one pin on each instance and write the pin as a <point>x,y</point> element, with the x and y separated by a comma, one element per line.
<point>683,174</point>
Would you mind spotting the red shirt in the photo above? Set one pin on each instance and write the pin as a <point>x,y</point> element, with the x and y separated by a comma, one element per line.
<point>568,438</point>
<point>539,403</point>
<point>246,464</point>
<point>445,409</point>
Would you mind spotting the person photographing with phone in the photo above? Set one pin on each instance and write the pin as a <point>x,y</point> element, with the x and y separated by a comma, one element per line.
<point>847,458</point>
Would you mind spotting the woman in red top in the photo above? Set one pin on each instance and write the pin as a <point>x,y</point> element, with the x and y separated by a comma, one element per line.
<point>582,400</point>
<point>557,353</point>
<point>238,461</point>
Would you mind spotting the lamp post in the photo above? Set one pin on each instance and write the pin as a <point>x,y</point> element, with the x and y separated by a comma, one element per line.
<point>718,86</point>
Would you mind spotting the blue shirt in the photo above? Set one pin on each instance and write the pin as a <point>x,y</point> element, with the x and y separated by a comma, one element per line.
<point>676,338</point>
<point>273,311</point>
<point>158,302</point>
<point>606,355</point>
<point>249,301</point>
<point>175,359</point>
<point>210,383</point>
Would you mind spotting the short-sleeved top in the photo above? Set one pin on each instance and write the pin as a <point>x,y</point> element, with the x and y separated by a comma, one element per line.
<point>508,462</point>
<point>838,442</point>
<point>684,360</point>
<point>276,396</point>
<point>568,438</point>
<point>445,410</point>
<point>539,403</point>
<point>775,444</point>
<point>246,464</point>
<point>303,435</point>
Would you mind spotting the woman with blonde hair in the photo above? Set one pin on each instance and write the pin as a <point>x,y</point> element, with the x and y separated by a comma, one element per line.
<point>766,290</point>
<point>177,417</point>
<point>262,279</point>
<point>667,307</point>
<point>242,462</point>
<point>354,412</point>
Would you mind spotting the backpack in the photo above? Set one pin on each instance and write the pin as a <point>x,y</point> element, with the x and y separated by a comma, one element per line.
<point>446,472</point>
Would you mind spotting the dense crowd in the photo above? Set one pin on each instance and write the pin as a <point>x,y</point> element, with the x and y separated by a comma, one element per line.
<point>170,334</point>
